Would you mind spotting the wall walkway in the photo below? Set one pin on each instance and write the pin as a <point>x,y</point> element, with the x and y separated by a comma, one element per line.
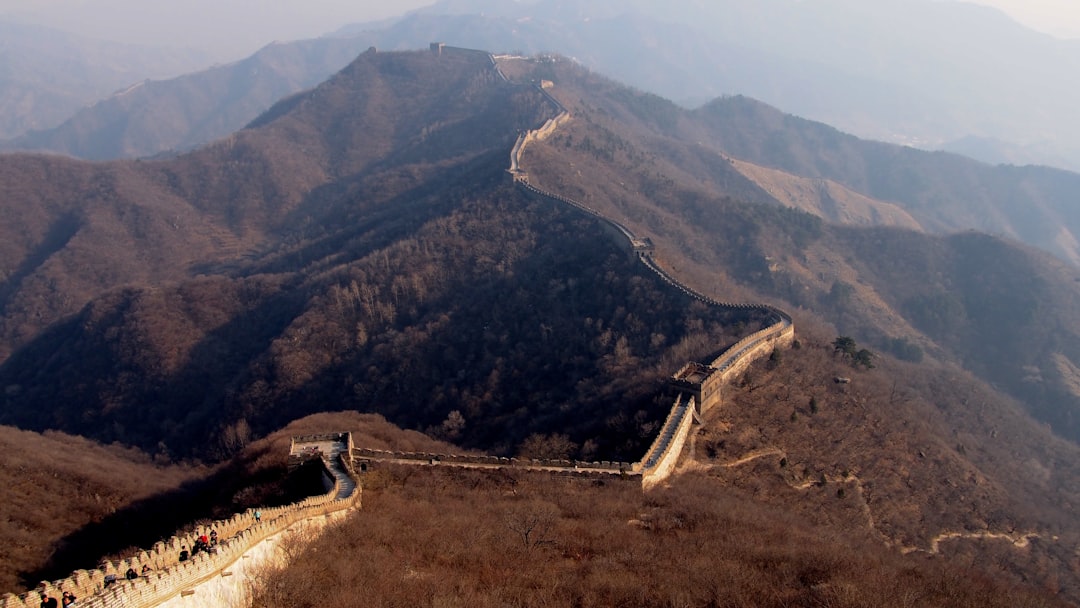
<point>702,394</point>
<point>170,578</point>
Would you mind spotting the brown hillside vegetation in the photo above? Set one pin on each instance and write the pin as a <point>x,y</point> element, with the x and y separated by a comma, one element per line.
<point>78,230</point>
<point>798,489</point>
<point>360,249</point>
<point>178,369</point>
<point>943,192</point>
<point>826,198</point>
<point>1008,312</point>
<point>444,537</point>
<point>1011,315</point>
<point>55,484</point>
<point>927,461</point>
<point>71,502</point>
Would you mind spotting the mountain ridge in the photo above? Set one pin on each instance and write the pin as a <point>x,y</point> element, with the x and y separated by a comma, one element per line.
<point>384,262</point>
<point>46,75</point>
<point>872,79</point>
<point>943,193</point>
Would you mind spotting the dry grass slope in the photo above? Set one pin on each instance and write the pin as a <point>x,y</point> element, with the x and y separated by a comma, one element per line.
<point>55,484</point>
<point>442,537</point>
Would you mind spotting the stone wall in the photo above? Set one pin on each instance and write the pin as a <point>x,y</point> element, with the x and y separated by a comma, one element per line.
<point>660,460</point>
<point>296,458</point>
<point>483,461</point>
<point>751,348</point>
<point>527,137</point>
<point>170,576</point>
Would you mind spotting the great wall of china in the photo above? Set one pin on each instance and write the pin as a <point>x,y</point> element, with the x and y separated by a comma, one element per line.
<point>171,578</point>
<point>698,387</point>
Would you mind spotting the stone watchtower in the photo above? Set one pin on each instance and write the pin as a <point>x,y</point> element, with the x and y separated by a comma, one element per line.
<point>437,47</point>
<point>700,381</point>
<point>643,246</point>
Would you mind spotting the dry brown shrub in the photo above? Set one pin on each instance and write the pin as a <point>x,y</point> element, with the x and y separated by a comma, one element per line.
<point>445,537</point>
<point>57,483</point>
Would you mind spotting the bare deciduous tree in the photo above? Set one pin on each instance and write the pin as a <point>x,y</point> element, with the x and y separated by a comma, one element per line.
<point>532,523</point>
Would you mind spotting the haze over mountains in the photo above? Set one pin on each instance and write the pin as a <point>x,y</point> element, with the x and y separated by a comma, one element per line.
<point>358,246</point>
<point>904,72</point>
<point>182,113</point>
<point>128,271</point>
<point>767,158</point>
<point>753,51</point>
<point>46,75</point>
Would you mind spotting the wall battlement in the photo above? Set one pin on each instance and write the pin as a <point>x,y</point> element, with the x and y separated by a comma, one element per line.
<point>698,386</point>
<point>170,577</point>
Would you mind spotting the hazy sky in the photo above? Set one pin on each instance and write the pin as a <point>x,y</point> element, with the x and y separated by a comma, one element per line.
<point>1057,17</point>
<point>228,28</point>
<point>234,28</point>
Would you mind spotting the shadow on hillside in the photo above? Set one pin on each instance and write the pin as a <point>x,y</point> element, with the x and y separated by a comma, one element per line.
<point>62,230</point>
<point>352,219</point>
<point>109,385</point>
<point>232,489</point>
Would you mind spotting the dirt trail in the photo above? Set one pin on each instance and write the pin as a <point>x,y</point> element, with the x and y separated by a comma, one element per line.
<point>1019,540</point>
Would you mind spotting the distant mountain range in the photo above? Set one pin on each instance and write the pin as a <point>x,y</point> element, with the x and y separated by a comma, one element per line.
<point>923,73</point>
<point>941,192</point>
<point>677,57</point>
<point>182,113</point>
<point>47,75</point>
<point>360,246</point>
<point>172,267</point>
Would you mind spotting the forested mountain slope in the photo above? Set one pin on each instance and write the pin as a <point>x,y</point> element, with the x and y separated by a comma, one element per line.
<point>660,170</point>
<point>839,177</point>
<point>361,247</point>
<point>181,113</point>
<point>943,192</point>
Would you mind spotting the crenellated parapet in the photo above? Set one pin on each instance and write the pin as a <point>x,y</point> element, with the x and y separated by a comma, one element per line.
<point>170,577</point>
<point>698,386</point>
<point>659,462</point>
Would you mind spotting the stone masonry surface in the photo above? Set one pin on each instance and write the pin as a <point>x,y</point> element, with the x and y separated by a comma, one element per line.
<point>174,583</point>
<point>239,534</point>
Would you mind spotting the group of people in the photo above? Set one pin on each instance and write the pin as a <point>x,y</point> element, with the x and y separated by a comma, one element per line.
<point>203,543</point>
<point>132,575</point>
<point>47,601</point>
<point>207,543</point>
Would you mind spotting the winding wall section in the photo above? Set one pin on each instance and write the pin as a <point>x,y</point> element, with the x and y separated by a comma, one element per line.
<point>698,385</point>
<point>171,578</point>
